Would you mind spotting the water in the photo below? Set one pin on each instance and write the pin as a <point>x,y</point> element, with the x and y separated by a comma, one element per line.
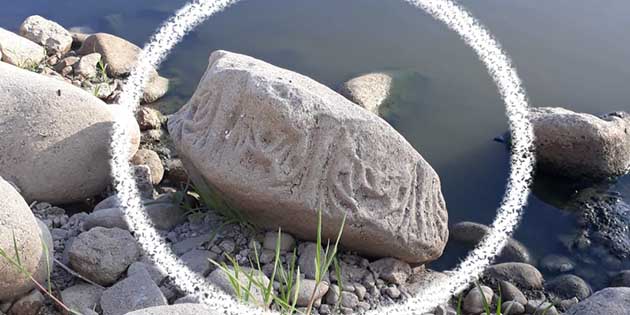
<point>569,53</point>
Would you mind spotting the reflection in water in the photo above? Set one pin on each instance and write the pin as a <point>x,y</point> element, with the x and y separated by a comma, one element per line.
<point>450,113</point>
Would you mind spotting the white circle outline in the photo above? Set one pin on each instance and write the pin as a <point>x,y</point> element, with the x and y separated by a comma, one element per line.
<point>522,159</point>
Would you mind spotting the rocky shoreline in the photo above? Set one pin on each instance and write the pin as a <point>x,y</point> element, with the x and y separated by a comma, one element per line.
<point>256,132</point>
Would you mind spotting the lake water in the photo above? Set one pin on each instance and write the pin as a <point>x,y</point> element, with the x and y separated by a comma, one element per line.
<point>569,53</point>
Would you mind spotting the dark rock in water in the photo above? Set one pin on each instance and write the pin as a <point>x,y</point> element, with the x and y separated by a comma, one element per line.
<point>605,216</point>
<point>472,233</point>
<point>569,286</point>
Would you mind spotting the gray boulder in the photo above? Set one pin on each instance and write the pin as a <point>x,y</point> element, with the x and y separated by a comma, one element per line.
<point>278,146</point>
<point>18,220</point>
<point>569,286</point>
<point>52,132</point>
<point>47,33</point>
<point>80,297</point>
<point>19,51</point>
<point>609,301</point>
<point>581,145</point>
<point>102,254</point>
<point>523,275</point>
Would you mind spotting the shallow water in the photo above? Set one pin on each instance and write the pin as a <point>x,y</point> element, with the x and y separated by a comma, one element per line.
<point>569,53</point>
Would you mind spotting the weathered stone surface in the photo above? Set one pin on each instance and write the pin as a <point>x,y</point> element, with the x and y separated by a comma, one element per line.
<point>472,233</point>
<point>119,55</point>
<point>524,275</point>
<point>17,219</point>
<point>278,146</point>
<point>47,33</point>
<point>82,296</point>
<point>178,309</point>
<point>152,160</point>
<point>102,254</point>
<point>609,301</point>
<point>52,132</point>
<point>581,145</point>
<point>131,294</point>
<point>19,51</point>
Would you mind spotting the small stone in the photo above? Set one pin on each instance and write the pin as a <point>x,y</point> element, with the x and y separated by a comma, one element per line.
<point>82,296</point>
<point>175,171</point>
<point>308,252</point>
<point>66,62</point>
<point>568,286</point>
<point>360,291</point>
<point>474,300</point>
<point>324,309</point>
<point>86,67</point>
<point>165,215</point>
<point>221,280</point>
<point>110,202</point>
<point>510,292</point>
<point>540,308</point>
<point>155,272</point>
<point>524,275</point>
<point>133,293</point>
<point>349,300</point>
<point>87,254</point>
<point>306,290</point>
<point>332,297</point>
<point>152,160</point>
<point>566,304</point>
<point>287,242</point>
<point>512,308</point>
<point>107,218</point>
<point>228,246</point>
<point>392,270</point>
<point>144,180</point>
<point>267,256</point>
<point>28,304</point>
<point>198,261</point>
<point>155,89</point>
<point>148,118</point>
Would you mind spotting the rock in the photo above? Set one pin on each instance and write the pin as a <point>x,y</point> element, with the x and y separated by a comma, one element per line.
<point>86,66</point>
<point>568,286</point>
<point>523,275</point>
<point>392,292</point>
<point>53,132</point>
<point>306,290</point>
<point>512,308</point>
<point>18,220</point>
<point>109,202</point>
<point>131,294</point>
<point>28,304</point>
<point>381,92</point>
<point>391,270</point>
<point>152,160</point>
<point>622,279</point>
<point>221,280</point>
<point>474,300</point>
<point>333,295</point>
<point>82,296</point>
<point>107,218</point>
<point>20,51</point>
<point>47,33</point>
<point>179,309</point>
<point>510,292</point>
<point>394,209</point>
<point>148,118</point>
<point>165,215</point>
<point>66,62</point>
<point>155,89</point>
<point>568,303</point>
<point>557,264</point>
<point>175,171</point>
<point>119,55</point>
<point>540,308</point>
<point>581,145</point>
<point>144,181</point>
<point>472,233</point>
<point>155,272</point>
<point>198,261</point>
<point>306,261</point>
<point>609,301</point>
<point>369,91</point>
<point>287,242</point>
<point>102,254</point>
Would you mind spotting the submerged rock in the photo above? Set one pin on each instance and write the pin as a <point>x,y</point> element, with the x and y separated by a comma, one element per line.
<point>278,146</point>
<point>579,145</point>
<point>55,138</point>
